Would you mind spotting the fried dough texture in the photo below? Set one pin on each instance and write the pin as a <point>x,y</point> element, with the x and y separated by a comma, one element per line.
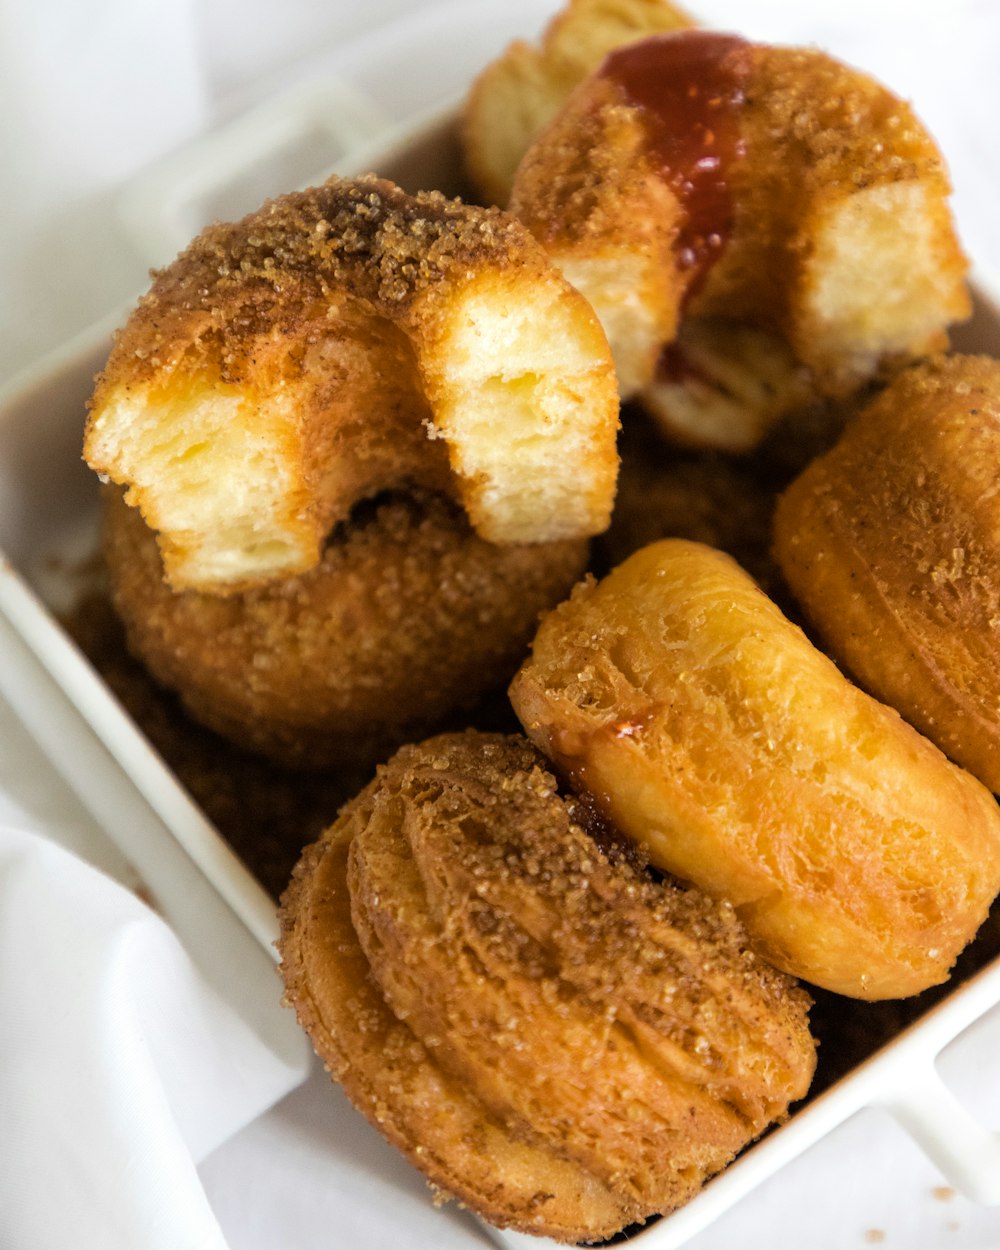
<point>891,544</point>
<point>408,618</point>
<point>755,226</point>
<point>557,1041</point>
<point>344,341</point>
<point>706,726</point>
<point>515,97</point>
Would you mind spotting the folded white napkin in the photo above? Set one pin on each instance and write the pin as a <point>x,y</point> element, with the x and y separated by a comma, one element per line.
<point>120,1066</point>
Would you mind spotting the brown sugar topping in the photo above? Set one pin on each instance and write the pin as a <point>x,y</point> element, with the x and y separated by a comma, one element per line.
<point>349,231</point>
<point>361,241</point>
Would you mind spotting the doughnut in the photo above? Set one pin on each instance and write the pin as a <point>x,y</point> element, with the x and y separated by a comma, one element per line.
<point>345,341</point>
<point>557,1041</point>
<point>516,96</point>
<point>410,617</point>
<point>704,724</point>
<point>754,226</point>
<point>891,544</point>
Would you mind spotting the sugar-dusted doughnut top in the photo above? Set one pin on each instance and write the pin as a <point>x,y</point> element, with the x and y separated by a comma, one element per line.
<point>339,342</point>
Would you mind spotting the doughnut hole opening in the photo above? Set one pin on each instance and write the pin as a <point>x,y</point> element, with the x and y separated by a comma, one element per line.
<point>207,464</point>
<point>882,276</point>
<point>522,389</point>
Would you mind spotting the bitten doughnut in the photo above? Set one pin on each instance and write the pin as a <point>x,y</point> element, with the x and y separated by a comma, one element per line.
<point>706,726</point>
<point>754,225</point>
<point>343,341</point>
<point>408,617</point>
<point>515,97</point>
<point>891,543</point>
<point>555,1040</point>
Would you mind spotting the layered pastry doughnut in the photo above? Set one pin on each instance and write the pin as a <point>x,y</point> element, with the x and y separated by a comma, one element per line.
<point>409,617</point>
<point>553,1038</point>
<point>891,543</point>
<point>706,726</point>
<point>515,97</point>
<point>345,341</point>
<point>755,226</point>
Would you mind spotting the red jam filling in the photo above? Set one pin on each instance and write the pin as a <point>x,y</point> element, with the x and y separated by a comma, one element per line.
<point>689,87</point>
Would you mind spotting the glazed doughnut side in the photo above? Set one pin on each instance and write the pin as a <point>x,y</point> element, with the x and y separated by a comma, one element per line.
<point>770,190</point>
<point>891,543</point>
<point>408,617</point>
<point>614,1039</point>
<point>707,727</point>
<point>342,341</point>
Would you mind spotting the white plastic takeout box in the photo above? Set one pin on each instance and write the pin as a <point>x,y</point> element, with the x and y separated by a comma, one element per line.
<point>47,526</point>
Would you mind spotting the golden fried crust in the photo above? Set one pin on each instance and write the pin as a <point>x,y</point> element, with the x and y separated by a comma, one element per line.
<point>837,237</point>
<point>891,543</point>
<point>596,1044</point>
<point>707,727</point>
<point>408,617</point>
<point>516,96</point>
<point>342,341</point>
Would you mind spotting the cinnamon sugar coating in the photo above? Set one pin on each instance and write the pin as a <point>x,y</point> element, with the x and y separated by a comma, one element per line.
<point>554,1039</point>
<point>891,543</point>
<point>343,341</point>
<point>408,619</point>
<point>831,237</point>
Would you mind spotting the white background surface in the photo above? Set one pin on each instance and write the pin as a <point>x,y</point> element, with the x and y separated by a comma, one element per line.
<point>95,92</point>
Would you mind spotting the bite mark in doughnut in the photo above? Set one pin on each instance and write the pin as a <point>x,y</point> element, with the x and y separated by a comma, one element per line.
<point>408,618</point>
<point>698,176</point>
<point>343,341</point>
<point>707,727</point>
<point>891,543</point>
<point>559,1042</point>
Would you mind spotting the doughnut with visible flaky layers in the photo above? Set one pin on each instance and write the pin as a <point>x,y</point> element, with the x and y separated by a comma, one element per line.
<point>340,342</point>
<point>516,96</point>
<point>707,727</point>
<point>554,1039</point>
<point>891,543</point>
<point>408,618</point>
<point>754,225</point>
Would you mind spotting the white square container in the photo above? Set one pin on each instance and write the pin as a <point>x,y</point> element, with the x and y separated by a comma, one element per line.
<point>47,522</point>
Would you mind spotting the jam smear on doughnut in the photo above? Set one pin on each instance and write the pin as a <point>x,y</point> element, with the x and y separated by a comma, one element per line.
<point>676,366</point>
<point>689,87</point>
